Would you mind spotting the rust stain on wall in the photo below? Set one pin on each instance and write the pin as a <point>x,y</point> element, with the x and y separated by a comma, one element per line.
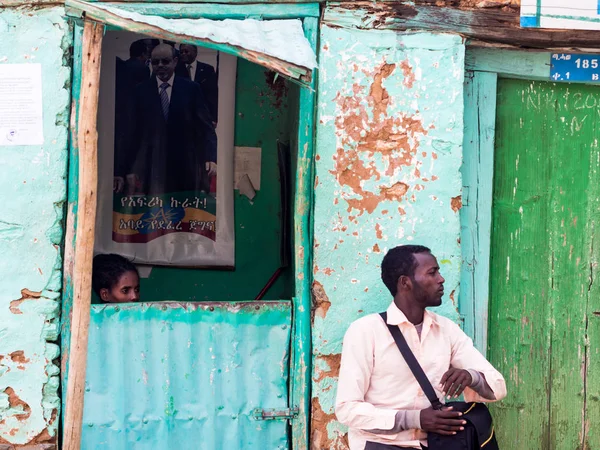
<point>378,232</point>
<point>409,76</point>
<point>278,86</point>
<point>26,294</point>
<point>452,297</point>
<point>19,357</point>
<point>320,439</point>
<point>333,362</point>
<point>15,403</point>
<point>321,302</point>
<point>362,135</point>
<point>456,203</point>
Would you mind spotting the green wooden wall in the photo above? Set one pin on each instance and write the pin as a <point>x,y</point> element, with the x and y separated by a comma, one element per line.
<point>262,117</point>
<point>544,331</point>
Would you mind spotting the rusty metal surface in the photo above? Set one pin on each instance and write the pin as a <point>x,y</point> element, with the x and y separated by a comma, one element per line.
<point>187,375</point>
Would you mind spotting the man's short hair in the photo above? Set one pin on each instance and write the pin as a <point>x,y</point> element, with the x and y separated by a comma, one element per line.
<point>137,48</point>
<point>189,45</point>
<point>400,261</point>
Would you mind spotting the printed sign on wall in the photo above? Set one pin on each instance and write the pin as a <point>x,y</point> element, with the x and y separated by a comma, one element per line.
<point>165,144</point>
<point>575,67</point>
<point>563,14</point>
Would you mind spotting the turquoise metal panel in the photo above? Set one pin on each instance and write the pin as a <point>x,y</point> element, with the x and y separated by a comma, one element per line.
<point>187,376</point>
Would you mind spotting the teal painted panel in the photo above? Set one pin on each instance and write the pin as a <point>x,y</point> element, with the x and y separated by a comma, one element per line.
<point>33,187</point>
<point>186,376</point>
<point>388,154</point>
<point>476,212</point>
<point>303,260</point>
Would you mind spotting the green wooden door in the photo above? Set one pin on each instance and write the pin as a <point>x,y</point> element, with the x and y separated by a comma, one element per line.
<point>544,323</point>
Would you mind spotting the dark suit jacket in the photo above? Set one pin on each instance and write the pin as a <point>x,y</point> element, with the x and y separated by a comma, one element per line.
<point>207,79</point>
<point>128,75</point>
<point>170,155</point>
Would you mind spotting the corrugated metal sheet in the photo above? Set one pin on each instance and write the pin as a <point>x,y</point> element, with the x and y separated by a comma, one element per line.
<point>186,376</point>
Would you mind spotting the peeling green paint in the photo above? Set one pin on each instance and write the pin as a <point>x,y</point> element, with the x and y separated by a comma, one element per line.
<point>31,231</point>
<point>388,155</point>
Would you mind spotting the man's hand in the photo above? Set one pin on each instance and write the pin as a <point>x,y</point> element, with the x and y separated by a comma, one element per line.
<point>455,381</point>
<point>118,183</point>
<point>211,168</point>
<point>132,184</point>
<point>444,421</point>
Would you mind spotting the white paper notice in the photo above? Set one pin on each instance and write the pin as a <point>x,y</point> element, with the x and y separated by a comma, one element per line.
<point>247,162</point>
<point>21,104</point>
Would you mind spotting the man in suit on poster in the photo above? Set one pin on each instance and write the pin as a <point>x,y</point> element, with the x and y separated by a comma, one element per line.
<point>173,139</point>
<point>203,74</point>
<point>128,74</point>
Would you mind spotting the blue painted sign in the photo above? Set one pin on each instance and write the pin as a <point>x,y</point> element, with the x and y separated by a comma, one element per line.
<point>575,67</point>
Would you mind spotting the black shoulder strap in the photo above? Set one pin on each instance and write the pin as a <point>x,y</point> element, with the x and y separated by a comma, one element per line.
<point>413,364</point>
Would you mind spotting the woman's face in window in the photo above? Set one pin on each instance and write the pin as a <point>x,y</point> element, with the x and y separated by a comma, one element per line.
<point>125,290</point>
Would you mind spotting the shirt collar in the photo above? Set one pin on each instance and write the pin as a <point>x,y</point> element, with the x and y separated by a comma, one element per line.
<point>192,64</point>
<point>170,81</point>
<point>397,317</point>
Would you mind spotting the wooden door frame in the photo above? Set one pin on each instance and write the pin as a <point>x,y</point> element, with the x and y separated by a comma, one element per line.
<point>483,67</point>
<point>81,210</point>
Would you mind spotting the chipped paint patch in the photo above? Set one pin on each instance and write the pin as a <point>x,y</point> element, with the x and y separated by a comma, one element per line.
<point>389,147</point>
<point>320,301</point>
<point>456,203</point>
<point>321,438</point>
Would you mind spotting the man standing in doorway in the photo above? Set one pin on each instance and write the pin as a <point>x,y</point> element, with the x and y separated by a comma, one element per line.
<point>173,138</point>
<point>378,397</point>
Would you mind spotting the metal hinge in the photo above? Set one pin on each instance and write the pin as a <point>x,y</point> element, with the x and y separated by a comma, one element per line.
<point>274,414</point>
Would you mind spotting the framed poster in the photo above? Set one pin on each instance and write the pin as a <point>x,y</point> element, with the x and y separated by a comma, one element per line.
<point>165,145</point>
<point>562,14</point>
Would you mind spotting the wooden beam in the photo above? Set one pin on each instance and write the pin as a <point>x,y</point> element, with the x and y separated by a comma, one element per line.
<point>87,141</point>
<point>222,11</point>
<point>487,25</point>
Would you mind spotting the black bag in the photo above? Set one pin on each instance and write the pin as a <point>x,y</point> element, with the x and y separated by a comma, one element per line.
<point>378,446</point>
<point>479,430</point>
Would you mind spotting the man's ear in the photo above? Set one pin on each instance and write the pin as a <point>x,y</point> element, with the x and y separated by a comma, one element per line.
<point>104,294</point>
<point>404,283</point>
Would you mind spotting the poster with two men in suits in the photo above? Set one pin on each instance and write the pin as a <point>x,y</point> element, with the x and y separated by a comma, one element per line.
<point>172,152</point>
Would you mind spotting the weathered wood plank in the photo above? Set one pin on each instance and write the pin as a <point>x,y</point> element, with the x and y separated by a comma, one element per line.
<point>87,139</point>
<point>71,223</point>
<point>302,354</point>
<point>476,212</point>
<point>222,11</point>
<point>468,212</point>
<point>531,65</point>
<point>569,131</point>
<point>519,343</point>
<point>592,338</point>
<point>488,25</point>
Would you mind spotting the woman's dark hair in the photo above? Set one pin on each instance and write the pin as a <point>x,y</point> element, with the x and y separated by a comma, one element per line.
<point>107,269</point>
<point>397,262</point>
